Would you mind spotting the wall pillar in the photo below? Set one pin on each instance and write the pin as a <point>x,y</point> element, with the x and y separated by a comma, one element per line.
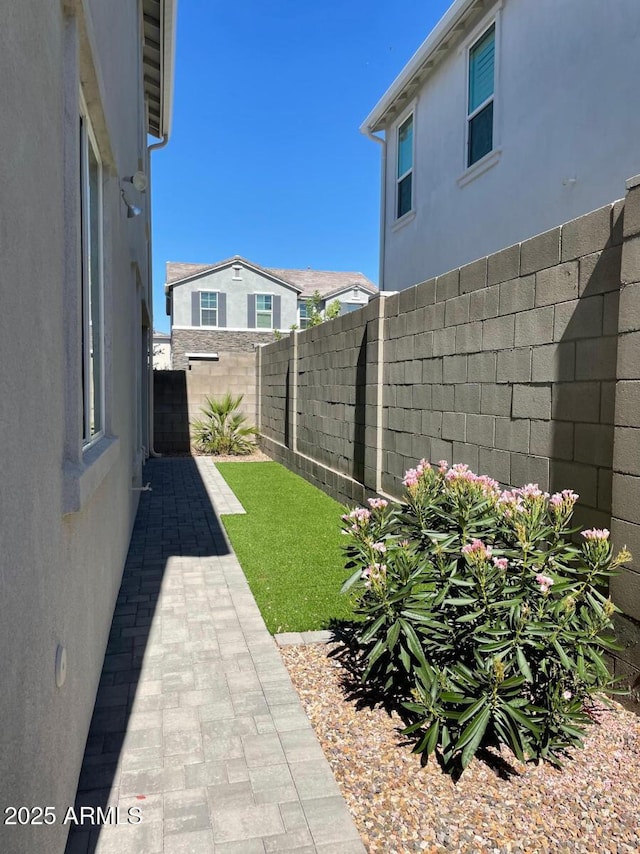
<point>625,511</point>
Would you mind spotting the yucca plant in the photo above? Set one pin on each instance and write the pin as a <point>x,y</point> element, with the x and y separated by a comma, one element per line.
<point>481,613</point>
<point>223,430</point>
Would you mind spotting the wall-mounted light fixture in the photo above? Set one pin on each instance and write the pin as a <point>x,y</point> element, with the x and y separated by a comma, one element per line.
<point>139,181</point>
<point>132,210</point>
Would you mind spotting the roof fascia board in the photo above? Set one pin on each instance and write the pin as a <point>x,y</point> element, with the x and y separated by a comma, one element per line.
<point>443,29</point>
<point>169,16</point>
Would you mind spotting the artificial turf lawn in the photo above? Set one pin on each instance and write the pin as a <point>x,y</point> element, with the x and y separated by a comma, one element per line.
<point>288,545</point>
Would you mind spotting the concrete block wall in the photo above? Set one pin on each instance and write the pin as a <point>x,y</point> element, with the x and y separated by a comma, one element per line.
<point>509,365</point>
<point>275,393</point>
<point>525,365</point>
<point>180,395</point>
<point>335,388</point>
<point>625,522</point>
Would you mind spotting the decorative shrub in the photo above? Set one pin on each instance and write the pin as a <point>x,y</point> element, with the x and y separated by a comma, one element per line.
<point>481,614</point>
<point>223,429</point>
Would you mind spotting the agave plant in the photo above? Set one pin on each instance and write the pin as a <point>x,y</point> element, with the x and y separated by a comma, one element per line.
<point>223,429</point>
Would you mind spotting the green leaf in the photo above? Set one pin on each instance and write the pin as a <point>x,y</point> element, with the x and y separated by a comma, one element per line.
<point>523,664</point>
<point>472,710</point>
<point>467,618</point>
<point>393,634</point>
<point>473,735</point>
<point>412,640</point>
<point>564,658</point>
<point>351,581</point>
<point>372,630</point>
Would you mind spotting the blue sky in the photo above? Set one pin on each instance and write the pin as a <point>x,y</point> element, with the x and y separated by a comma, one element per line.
<point>265,158</point>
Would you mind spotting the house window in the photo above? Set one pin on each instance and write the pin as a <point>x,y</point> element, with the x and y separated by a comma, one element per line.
<point>481,96</point>
<point>404,177</point>
<point>208,309</point>
<point>92,285</point>
<point>264,311</point>
<point>303,315</point>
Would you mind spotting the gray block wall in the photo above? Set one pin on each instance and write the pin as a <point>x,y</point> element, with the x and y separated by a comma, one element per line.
<point>525,365</point>
<point>180,395</point>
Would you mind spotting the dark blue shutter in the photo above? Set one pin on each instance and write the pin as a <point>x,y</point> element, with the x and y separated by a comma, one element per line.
<point>222,309</point>
<point>251,311</point>
<point>195,308</point>
<point>276,312</point>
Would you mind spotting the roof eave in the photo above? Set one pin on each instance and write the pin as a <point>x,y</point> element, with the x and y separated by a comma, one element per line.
<point>159,64</point>
<point>419,66</point>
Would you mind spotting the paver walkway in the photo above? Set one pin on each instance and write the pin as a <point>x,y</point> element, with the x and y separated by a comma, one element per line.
<point>196,722</point>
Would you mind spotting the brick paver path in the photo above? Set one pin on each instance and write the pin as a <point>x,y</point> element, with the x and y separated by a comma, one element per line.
<point>196,722</point>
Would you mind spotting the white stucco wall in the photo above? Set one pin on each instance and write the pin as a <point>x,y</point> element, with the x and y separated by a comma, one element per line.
<point>566,107</point>
<point>251,282</point>
<point>60,571</point>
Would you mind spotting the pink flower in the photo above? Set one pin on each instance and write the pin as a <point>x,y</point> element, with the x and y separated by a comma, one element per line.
<point>596,534</point>
<point>532,490</point>
<point>567,695</point>
<point>443,465</point>
<point>477,551</point>
<point>565,498</point>
<point>379,547</point>
<point>377,503</point>
<point>500,562</point>
<point>410,478</point>
<point>545,582</point>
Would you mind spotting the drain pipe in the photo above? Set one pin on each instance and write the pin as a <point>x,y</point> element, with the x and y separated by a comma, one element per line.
<point>383,199</point>
<point>152,451</point>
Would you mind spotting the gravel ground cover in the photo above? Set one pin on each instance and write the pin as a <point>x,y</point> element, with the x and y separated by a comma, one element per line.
<point>499,805</point>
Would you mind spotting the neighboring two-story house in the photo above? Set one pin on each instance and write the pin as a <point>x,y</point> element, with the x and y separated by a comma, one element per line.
<point>235,304</point>
<point>511,118</point>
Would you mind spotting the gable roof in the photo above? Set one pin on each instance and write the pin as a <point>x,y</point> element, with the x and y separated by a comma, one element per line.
<point>461,16</point>
<point>305,282</point>
<point>325,281</point>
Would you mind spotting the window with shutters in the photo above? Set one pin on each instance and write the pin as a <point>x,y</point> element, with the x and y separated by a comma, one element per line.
<point>480,103</point>
<point>264,311</point>
<point>208,308</point>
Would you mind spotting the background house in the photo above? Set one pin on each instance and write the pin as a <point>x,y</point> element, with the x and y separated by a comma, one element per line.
<point>512,118</point>
<point>161,351</point>
<point>234,304</point>
<point>83,82</point>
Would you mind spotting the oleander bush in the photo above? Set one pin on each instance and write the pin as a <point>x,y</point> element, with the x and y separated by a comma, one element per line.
<point>222,429</point>
<point>481,614</point>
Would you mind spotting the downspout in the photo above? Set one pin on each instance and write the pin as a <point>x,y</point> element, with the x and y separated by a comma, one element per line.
<point>152,450</point>
<point>383,200</point>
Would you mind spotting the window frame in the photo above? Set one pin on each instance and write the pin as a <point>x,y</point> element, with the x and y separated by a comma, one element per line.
<point>468,174</point>
<point>215,325</point>
<point>490,100</point>
<point>264,311</point>
<point>88,141</point>
<point>409,115</point>
<point>303,322</point>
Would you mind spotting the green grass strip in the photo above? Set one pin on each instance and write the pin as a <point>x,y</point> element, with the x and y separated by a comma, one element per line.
<point>288,545</point>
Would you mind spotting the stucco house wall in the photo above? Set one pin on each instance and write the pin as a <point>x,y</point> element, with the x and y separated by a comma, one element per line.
<point>564,133</point>
<point>66,510</point>
<point>237,291</point>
